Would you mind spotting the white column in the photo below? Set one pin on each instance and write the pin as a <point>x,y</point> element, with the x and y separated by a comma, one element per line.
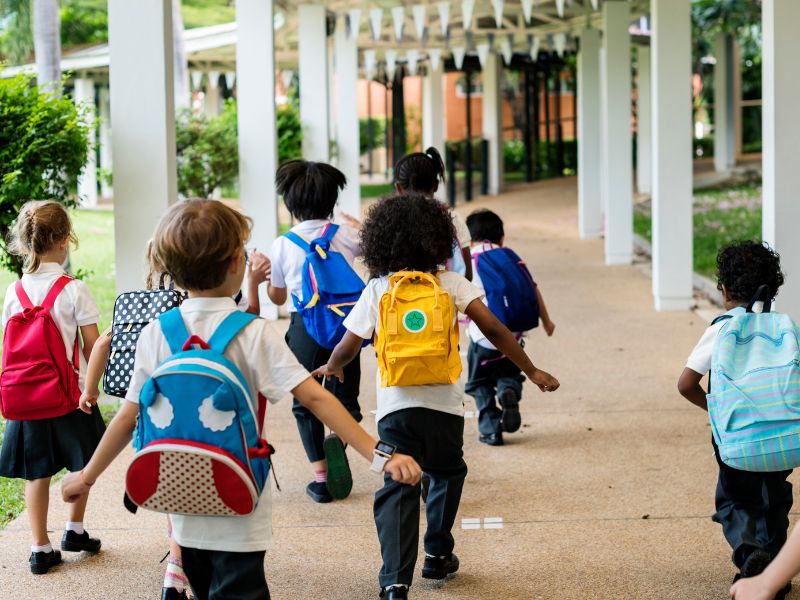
<point>672,154</point>
<point>106,164</point>
<point>724,127</point>
<point>616,145</point>
<point>143,144</point>
<point>590,200</point>
<point>493,120</point>
<point>87,181</point>
<point>258,138</point>
<point>644,151</point>
<point>347,125</point>
<point>781,122</point>
<point>433,122</point>
<point>313,52</point>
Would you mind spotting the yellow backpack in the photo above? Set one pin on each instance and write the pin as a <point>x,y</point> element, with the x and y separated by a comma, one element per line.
<point>417,337</point>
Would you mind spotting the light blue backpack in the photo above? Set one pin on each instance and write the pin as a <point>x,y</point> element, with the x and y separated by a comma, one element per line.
<point>754,396</point>
<point>198,437</point>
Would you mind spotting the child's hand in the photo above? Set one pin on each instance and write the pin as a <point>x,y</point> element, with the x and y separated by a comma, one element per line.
<point>350,220</point>
<point>545,381</point>
<point>74,487</point>
<point>549,327</point>
<point>260,267</point>
<point>403,469</point>
<point>752,588</point>
<point>87,401</point>
<point>324,371</point>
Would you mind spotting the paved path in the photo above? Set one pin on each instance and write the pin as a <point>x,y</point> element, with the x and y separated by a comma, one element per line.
<point>605,493</point>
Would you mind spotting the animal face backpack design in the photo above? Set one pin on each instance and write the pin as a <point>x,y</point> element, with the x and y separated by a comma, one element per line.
<point>330,288</point>
<point>754,401</point>
<point>198,437</point>
<point>510,289</point>
<point>417,336</point>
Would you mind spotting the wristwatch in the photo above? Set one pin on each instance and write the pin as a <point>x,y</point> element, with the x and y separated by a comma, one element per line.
<point>381,455</point>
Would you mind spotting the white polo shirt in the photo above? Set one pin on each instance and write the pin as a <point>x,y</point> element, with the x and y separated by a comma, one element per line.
<point>269,368</point>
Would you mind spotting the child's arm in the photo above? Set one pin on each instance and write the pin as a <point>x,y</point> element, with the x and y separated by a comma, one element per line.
<point>505,342</point>
<point>259,272</point>
<point>344,353</point>
<point>94,371</point>
<point>277,295</point>
<point>89,335</point>
<point>549,326</point>
<point>118,435</point>
<point>465,252</point>
<point>330,411</point>
<point>775,577</point>
<point>689,387</point>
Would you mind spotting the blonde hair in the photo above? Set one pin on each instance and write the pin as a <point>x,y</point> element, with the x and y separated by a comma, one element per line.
<point>154,267</point>
<point>196,240</point>
<point>40,226</point>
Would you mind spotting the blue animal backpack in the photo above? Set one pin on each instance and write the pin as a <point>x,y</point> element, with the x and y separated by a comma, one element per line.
<point>330,288</point>
<point>754,396</point>
<point>509,286</point>
<point>198,436</point>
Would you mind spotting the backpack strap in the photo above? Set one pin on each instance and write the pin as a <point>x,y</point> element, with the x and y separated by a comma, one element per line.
<point>299,240</point>
<point>57,288</point>
<point>22,296</point>
<point>329,231</point>
<point>174,329</point>
<point>229,329</point>
<point>721,318</point>
<point>764,295</point>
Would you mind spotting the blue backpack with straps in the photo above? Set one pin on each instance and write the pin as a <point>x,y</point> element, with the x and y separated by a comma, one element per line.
<point>509,286</point>
<point>330,288</point>
<point>198,437</point>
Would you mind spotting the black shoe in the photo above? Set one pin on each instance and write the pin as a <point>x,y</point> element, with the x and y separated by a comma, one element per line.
<point>492,439</point>
<point>784,592</point>
<point>42,561</point>
<point>425,484</point>
<point>439,568</point>
<point>755,563</point>
<point>318,492</point>
<point>395,593</point>
<point>509,401</point>
<point>340,479</point>
<point>170,593</point>
<point>73,542</point>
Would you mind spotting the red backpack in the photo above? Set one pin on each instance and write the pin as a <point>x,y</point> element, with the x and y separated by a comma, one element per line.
<point>38,381</point>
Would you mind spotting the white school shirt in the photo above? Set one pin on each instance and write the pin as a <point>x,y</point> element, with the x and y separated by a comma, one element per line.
<point>699,360</point>
<point>363,321</point>
<point>462,231</point>
<point>288,258</point>
<point>269,367</point>
<point>75,307</point>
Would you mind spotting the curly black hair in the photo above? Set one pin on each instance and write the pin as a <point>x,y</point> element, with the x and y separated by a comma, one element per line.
<point>309,189</point>
<point>420,172</point>
<point>744,266</point>
<point>407,232</point>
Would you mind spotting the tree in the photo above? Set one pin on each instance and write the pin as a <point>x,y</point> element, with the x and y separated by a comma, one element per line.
<point>43,148</point>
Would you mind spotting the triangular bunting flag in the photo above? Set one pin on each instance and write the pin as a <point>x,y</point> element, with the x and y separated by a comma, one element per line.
<point>444,16</point>
<point>213,79</point>
<point>483,53</point>
<point>376,22</point>
<point>230,79</point>
<point>286,78</point>
<point>596,4</point>
<point>507,51</point>
<point>498,12</point>
<point>412,59</point>
<point>391,64</point>
<point>369,64</point>
<point>560,42</point>
<point>399,21</point>
<point>467,8</point>
<point>527,10</point>
<point>560,8</point>
<point>435,54</point>
<point>353,22</point>
<point>197,79</point>
<point>458,56</point>
<point>420,12</point>
<point>535,43</point>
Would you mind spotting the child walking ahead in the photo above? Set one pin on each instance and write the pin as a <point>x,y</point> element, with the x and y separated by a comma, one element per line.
<point>752,507</point>
<point>423,420</point>
<point>201,244</point>
<point>493,378</point>
<point>36,448</point>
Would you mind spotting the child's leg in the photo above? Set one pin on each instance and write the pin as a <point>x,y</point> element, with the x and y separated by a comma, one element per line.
<point>509,393</point>
<point>77,510</point>
<point>481,386</point>
<point>778,502</point>
<point>237,575</point>
<point>174,577</point>
<point>37,501</point>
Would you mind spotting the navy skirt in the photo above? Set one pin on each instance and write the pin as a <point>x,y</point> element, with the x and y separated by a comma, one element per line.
<point>41,448</point>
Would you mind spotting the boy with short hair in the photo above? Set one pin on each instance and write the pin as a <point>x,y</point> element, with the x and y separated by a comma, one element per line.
<point>493,378</point>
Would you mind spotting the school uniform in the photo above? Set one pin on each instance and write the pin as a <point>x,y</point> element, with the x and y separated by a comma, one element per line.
<point>287,264</point>
<point>427,423</point>
<point>41,448</point>
<point>753,508</point>
<point>224,556</point>
<point>491,372</point>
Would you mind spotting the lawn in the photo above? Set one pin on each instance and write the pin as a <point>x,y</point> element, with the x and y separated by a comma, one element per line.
<point>720,217</point>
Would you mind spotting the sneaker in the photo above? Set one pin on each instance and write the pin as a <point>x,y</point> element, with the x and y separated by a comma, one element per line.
<point>73,542</point>
<point>42,561</point>
<point>318,492</point>
<point>491,439</point>
<point>755,563</point>
<point>511,419</point>
<point>784,592</point>
<point>170,593</point>
<point>340,480</point>
<point>439,568</point>
<point>395,592</point>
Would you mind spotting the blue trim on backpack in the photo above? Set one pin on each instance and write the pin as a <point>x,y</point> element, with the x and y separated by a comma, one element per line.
<point>174,329</point>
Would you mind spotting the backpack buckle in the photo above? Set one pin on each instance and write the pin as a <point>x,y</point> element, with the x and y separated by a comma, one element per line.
<point>263,449</point>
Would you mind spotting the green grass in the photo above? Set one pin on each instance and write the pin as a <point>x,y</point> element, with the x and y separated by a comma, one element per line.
<point>720,217</point>
<point>376,190</point>
<point>201,13</point>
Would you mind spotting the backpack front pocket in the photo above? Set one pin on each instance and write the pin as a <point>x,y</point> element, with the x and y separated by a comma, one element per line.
<point>33,391</point>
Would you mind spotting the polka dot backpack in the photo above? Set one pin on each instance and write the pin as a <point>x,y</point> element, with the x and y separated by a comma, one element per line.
<point>198,435</point>
<point>132,311</point>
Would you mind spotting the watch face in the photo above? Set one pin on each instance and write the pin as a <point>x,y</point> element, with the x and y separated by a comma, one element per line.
<point>385,448</point>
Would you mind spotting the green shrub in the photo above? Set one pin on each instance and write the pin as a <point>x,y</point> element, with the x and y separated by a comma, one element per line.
<point>290,133</point>
<point>378,133</point>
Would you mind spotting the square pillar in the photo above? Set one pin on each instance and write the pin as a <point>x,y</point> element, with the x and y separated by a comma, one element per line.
<point>106,164</point>
<point>616,146</point>
<point>724,124</point>
<point>348,141</point>
<point>590,201</point>
<point>313,59</point>
<point>87,181</point>
<point>433,121</point>
<point>672,154</point>
<point>644,152</point>
<point>493,120</point>
<point>781,179</point>
<point>143,113</point>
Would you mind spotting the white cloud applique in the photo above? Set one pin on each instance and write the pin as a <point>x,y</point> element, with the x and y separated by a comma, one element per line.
<point>213,419</point>
<point>160,412</point>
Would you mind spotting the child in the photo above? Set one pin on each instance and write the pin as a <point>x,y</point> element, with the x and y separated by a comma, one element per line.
<point>491,374</point>
<point>35,450</point>
<point>201,244</point>
<point>310,191</point>
<point>752,507</point>
<point>426,421</point>
<point>775,581</point>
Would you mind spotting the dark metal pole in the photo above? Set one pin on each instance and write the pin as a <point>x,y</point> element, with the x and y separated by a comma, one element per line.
<point>546,84</point>
<point>370,131</point>
<point>450,158</point>
<point>559,129</point>
<point>468,150</point>
<point>536,121</point>
<point>386,128</point>
<point>398,118</point>
<point>526,132</point>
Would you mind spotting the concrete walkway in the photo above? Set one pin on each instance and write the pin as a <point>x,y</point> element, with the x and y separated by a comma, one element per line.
<point>605,493</point>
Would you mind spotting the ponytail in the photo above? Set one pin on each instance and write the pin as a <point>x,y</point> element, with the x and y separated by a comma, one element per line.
<point>420,172</point>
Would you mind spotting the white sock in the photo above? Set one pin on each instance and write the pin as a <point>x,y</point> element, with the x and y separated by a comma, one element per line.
<point>46,548</point>
<point>175,577</point>
<point>397,586</point>
<point>76,526</point>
